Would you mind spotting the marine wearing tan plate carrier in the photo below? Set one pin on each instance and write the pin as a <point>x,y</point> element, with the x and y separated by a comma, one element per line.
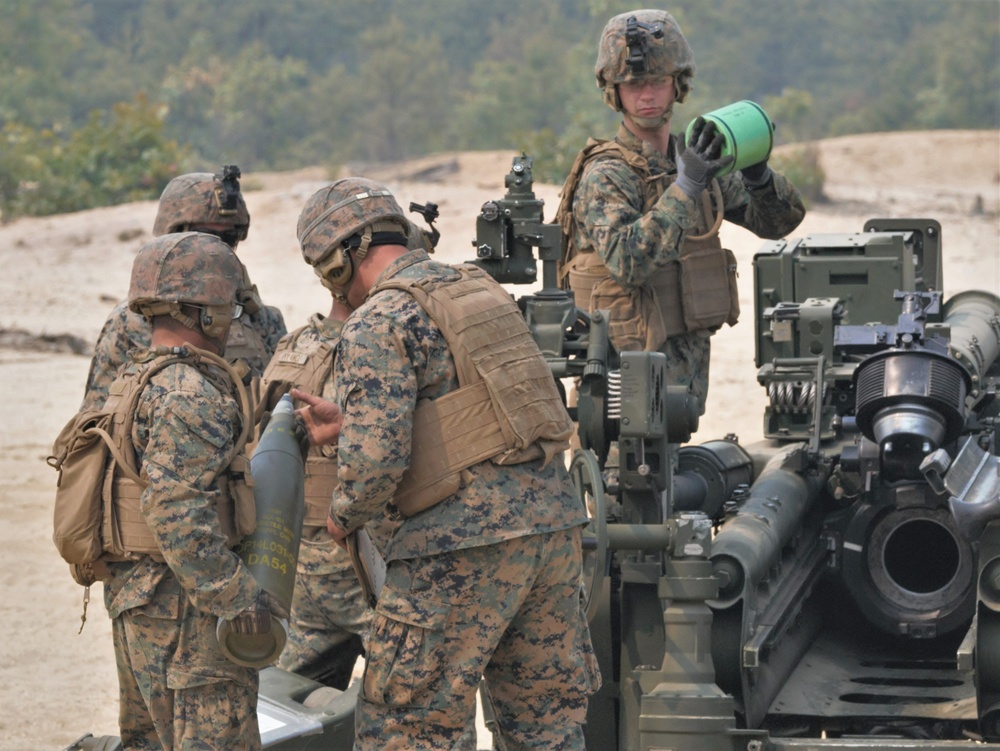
<point>126,534</point>
<point>495,414</point>
<point>119,531</point>
<point>696,292</point>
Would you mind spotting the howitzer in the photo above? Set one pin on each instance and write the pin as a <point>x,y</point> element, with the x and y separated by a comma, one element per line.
<point>833,585</point>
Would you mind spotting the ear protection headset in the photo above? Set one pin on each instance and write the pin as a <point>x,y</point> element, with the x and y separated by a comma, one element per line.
<point>215,321</point>
<point>337,271</point>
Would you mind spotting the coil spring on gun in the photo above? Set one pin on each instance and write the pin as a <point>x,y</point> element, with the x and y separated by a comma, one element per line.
<point>613,398</point>
<point>792,397</point>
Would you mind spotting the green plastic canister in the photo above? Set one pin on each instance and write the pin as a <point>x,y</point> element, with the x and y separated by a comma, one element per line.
<point>748,131</point>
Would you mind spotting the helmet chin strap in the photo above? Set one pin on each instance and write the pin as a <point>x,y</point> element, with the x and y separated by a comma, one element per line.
<point>185,320</point>
<point>199,326</point>
<point>651,123</point>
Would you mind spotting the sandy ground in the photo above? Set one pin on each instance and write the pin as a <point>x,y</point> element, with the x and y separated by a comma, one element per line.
<point>61,276</point>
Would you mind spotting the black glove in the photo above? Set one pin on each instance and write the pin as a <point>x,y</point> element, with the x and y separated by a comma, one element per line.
<point>702,159</point>
<point>756,175</point>
<point>256,619</point>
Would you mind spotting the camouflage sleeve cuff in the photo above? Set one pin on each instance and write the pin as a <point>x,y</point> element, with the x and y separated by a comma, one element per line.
<point>784,189</point>
<point>239,594</point>
<point>760,184</point>
<point>681,209</point>
<point>342,523</point>
<point>341,512</point>
<point>340,520</point>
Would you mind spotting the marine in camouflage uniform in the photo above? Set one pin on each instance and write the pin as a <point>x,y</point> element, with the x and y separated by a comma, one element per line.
<point>206,203</point>
<point>177,689</point>
<point>487,582</point>
<point>623,204</point>
<point>329,615</point>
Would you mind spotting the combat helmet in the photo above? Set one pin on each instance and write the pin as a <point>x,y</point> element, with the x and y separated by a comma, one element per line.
<point>643,44</point>
<point>187,268</point>
<point>352,213</point>
<point>201,198</point>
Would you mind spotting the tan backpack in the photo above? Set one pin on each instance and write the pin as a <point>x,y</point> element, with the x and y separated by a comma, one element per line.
<point>80,454</point>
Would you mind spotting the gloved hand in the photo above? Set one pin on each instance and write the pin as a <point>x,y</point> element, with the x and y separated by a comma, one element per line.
<point>702,159</point>
<point>256,619</point>
<point>756,175</point>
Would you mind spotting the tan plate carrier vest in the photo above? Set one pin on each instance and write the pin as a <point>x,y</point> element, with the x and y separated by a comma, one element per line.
<point>124,532</point>
<point>289,369</point>
<point>244,342</point>
<point>696,292</point>
<point>507,408</point>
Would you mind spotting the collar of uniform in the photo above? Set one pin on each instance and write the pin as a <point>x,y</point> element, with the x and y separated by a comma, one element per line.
<point>657,162</point>
<point>628,139</point>
<point>403,262</point>
<point>326,327</point>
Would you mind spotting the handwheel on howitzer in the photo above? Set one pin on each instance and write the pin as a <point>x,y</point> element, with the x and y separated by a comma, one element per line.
<point>589,485</point>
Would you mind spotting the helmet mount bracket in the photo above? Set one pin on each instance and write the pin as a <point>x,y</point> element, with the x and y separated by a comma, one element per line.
<point>636,41</point>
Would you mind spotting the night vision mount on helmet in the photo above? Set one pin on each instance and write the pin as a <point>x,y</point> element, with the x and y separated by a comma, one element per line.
<point>201,198</point>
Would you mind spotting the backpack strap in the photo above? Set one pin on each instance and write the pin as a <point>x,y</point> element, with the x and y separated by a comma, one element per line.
<point>192,356</point>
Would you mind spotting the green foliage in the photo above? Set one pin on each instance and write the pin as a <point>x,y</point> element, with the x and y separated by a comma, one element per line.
<point>535,77</point>
<point>22,165</point>
<point>284,85</point>
<point>251,107</point>
<point>554,152</point>
<point>791,114</point>
<point>401,106</point>
<point>40,43</point>
<point>116,157</point>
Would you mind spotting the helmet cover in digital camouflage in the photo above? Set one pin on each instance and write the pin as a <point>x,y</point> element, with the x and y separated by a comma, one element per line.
<point>200,198</point>
<point>632,52</point>
<point>335,214</point>
<point>184,267</point>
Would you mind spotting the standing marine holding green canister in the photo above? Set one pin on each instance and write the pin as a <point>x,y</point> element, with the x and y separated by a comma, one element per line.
<point>642,211</point>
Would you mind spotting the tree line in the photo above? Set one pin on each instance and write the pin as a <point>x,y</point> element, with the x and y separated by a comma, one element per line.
<point>102,101</point>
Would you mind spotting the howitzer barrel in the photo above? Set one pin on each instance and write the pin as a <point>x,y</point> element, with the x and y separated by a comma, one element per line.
<point>271,551</point>
<point>909,570</point>
<point>974,318</point>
